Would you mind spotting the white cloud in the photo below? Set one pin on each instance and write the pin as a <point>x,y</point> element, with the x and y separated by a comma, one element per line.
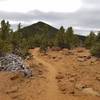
<point>83,15</point>
<point>43,5</point>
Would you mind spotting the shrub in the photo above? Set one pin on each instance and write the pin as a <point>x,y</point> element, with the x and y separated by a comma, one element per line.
<point>95,50</point>
<point>90,40</point>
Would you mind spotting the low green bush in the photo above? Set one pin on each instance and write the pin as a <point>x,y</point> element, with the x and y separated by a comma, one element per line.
<point>95,50</point>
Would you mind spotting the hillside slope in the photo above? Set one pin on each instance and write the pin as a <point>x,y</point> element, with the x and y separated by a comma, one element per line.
<point>41,28</point>
<point>38,28</point>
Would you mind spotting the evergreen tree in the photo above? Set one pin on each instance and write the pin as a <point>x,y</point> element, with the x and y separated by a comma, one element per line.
<point>44,43</point>
<point>95,50</point>
<point>19,27</point>
<point>98,37</point>
<point>19,44</point>
<point>59,40</point>
<point>70,39</point>
<point>5,43</point>
<point>5,29</point>
<point>90,40</point>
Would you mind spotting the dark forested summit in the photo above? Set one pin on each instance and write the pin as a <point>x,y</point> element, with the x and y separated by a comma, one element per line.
<point>41,28</point>
<point>38,28</point>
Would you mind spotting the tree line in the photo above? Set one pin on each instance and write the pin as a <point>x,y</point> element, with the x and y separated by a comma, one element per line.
<point>17,43</point>
<point>92,42</point>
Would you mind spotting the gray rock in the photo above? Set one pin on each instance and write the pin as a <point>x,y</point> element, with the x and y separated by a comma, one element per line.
<point>14,63</point>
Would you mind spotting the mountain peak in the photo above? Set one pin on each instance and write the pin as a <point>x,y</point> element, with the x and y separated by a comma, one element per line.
<point>38,28</point>
<point>40,22</point>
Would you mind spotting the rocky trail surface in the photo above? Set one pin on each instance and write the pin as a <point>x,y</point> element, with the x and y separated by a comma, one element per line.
<point>57,75</point>
<point>52,92</point>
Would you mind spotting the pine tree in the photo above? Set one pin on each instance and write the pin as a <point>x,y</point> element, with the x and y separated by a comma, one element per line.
<point>5,30</point>
<point>59,40</point>
<point>44,43</point>
<point>90,40</point>
<point>98,37</point>
<point>70,39</point>
<point>19,27</point>
<point>95,50</point>
<point>5,37</point>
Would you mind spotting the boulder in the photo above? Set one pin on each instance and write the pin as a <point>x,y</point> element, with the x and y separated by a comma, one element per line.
<point>14,63</point>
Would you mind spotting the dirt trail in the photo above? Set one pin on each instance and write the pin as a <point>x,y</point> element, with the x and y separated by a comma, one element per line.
<point>54,78</point>
<point>52,91</point>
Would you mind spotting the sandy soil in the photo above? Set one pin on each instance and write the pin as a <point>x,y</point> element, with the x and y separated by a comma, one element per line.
<point>58,75</point>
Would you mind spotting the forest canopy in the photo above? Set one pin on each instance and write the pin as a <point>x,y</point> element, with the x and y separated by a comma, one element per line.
<point>42,35</point>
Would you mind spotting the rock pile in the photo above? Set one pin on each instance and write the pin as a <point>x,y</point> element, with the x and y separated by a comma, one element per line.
<point>14,63</point>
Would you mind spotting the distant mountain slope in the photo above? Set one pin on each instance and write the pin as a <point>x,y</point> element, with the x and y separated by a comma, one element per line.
<point>81,37</point>
<point>38,28</point>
